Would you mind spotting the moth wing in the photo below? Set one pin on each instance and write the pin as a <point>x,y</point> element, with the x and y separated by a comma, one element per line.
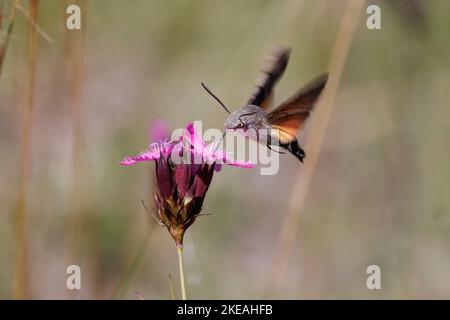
<point>263,93</point>
<point>291,114</point>
<point>286,124</point>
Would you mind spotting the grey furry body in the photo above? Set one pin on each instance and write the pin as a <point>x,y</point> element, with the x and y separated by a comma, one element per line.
<point>250,120</point>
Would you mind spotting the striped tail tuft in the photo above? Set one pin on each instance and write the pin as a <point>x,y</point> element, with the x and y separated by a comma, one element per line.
<point>294,148</point>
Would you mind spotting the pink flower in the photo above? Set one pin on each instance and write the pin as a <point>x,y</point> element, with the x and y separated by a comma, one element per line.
<point>183,184</point>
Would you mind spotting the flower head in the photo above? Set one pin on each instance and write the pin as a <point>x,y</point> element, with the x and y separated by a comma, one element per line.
<point>184,171</point>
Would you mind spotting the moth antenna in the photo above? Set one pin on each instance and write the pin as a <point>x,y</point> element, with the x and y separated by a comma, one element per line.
<point>215,97</point>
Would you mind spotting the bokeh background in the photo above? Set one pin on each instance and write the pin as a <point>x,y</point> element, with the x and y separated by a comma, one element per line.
<point>378,195</point>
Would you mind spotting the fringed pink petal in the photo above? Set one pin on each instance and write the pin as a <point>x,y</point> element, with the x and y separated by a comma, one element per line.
<point>155,150</point>
<point>142,157</point>
<point>194,139</point>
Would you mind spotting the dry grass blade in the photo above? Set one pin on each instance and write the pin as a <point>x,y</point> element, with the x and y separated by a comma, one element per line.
<point>172,288</point>
<point>33,23</point>
<point>125,280</point>
<point>291,219</point>
<point>5,38</point>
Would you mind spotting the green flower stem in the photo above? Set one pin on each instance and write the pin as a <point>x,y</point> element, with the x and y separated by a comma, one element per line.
<point>181,266</point>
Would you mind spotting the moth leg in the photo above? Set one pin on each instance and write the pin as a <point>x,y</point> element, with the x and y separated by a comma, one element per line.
<point>280,152</point>
<point>269,143</point>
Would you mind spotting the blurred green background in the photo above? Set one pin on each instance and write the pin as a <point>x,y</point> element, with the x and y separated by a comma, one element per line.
<point>380,194</point>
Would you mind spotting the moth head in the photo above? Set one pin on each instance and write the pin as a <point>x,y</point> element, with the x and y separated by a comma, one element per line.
<point>240,119</point>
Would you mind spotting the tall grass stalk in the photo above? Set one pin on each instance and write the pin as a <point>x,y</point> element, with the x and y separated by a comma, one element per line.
<point>21,276</point>
<point>305,173</point>
<point>74,51</point>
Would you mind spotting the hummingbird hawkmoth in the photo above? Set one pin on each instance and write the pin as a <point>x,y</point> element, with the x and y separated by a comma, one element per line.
<point>280,125</point>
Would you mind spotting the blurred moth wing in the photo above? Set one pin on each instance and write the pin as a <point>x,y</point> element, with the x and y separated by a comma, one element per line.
<point>272,72</point>
<point>290,116</point>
